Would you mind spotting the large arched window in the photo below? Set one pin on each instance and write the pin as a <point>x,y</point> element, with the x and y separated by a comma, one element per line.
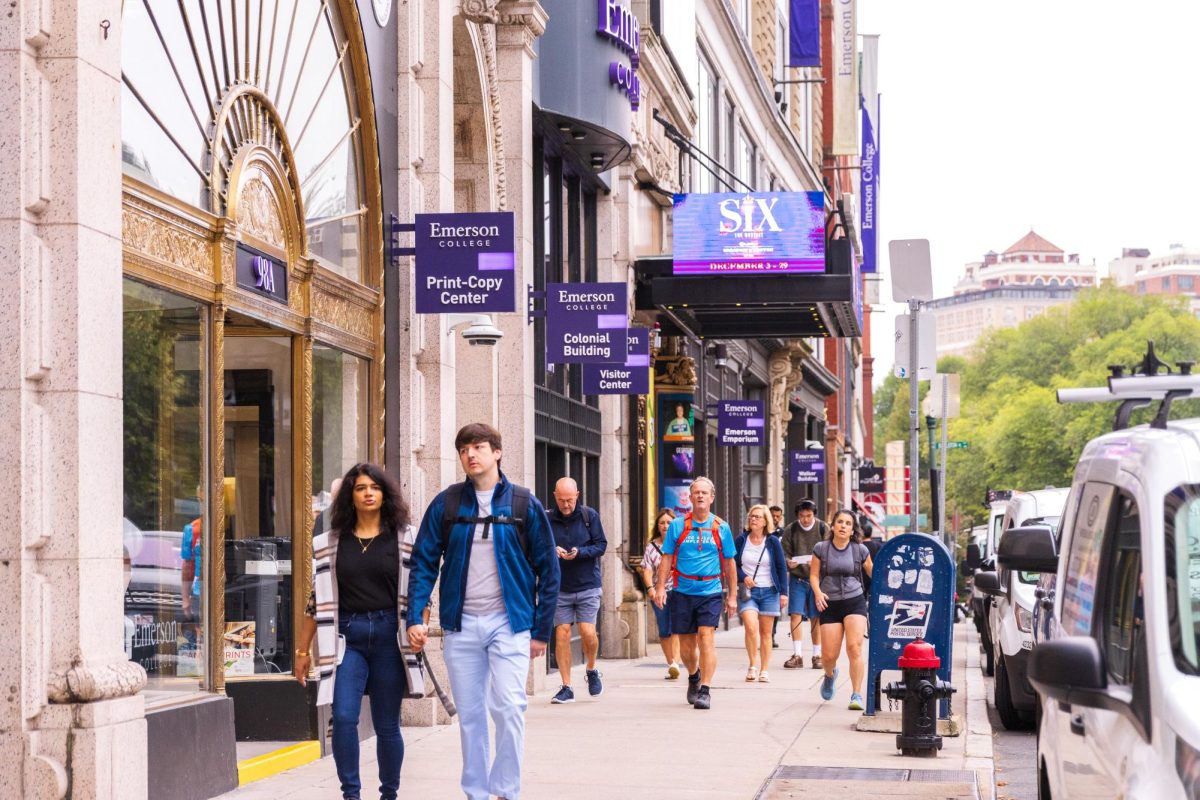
<point>203,79</point>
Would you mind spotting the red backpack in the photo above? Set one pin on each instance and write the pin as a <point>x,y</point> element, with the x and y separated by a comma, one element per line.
<point>687,530</point>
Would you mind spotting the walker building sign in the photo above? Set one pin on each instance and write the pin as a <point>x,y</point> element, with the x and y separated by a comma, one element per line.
<point>586,323</point>
<point>806,466</point>
<point>740,423</point>
<point>749,233</point>
<point>465,263</point>
<point>632,377</point>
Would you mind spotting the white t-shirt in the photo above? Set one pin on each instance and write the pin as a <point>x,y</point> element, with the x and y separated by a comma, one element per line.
<point>483,594</point>
<point>752,555</point>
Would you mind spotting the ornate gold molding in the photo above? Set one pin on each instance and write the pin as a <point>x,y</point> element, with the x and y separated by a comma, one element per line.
<point>675,371</point>
<point>341,313</point>
<point>158,240</point>
<point>258,212</point>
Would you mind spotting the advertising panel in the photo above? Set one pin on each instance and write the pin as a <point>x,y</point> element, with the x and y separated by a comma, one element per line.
<point>632,377</point>
<point>677,451</point>
<point>749,234</point>
<point>586,323</point>
<point>465,263</point>
<point>740,423</point>
<point>806,466</point>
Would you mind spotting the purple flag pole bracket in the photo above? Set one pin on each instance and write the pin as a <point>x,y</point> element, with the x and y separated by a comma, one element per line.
<point>395,251</point>
<point>534,311</point>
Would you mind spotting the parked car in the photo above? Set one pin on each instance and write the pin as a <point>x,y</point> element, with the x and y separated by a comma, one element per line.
<point>1010,615</point>
<point>981,557</point>
<point>1118,671</point>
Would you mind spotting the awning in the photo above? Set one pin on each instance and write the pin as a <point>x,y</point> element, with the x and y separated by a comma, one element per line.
<point>752,307</point>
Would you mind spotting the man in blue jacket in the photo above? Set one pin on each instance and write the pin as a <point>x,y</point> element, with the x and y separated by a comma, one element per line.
<point>499,588</point>
<point>579,541</point>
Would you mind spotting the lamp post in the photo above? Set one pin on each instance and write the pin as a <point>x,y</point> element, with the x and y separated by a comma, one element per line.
<point>931,426</point>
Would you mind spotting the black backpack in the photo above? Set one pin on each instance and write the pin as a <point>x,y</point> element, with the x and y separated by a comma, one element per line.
<point>520,512</point>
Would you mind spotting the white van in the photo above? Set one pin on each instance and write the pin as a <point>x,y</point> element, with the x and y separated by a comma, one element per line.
<point>1010,616</point>
<point>1118,675</point>
<point>981,555</point>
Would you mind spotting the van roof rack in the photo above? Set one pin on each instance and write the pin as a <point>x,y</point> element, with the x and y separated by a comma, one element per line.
<point>1146,382</point>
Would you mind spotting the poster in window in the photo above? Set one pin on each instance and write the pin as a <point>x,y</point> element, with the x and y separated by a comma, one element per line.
<point>677,420</point>
<point>239,648</point>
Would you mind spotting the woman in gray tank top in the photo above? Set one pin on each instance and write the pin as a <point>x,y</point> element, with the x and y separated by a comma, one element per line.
<point>837,570</point>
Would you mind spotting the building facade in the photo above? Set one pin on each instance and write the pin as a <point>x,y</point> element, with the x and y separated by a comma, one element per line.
<point>1176,272</point>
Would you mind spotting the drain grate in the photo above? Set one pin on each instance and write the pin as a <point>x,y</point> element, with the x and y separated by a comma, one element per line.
<point>875,774</point>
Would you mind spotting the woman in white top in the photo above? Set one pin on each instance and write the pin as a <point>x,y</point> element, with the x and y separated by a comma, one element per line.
<point>762,588</point>
<point>650,562</point>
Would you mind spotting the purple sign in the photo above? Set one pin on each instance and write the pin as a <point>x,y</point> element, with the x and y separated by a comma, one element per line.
<point>804,33</point>
<point>632,377</point>
<point>465,263</point>
<point>806,466</point>
<point>260,273</point>
<point>749,234</point>
<point>870,189</point>
<point>740,423</point>
<point>617,23</point>
<point>586,323</point>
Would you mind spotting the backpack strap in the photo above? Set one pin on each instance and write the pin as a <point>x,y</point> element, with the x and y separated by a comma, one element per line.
<point>453,498</point>
<point>687,530</point>
<point>520,514</point>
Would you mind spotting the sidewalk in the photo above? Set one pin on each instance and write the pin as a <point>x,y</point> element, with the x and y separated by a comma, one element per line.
<point>769,741</point>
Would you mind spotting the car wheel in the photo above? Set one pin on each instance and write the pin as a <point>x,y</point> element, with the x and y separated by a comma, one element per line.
<point>989,658</point>
<point>1010,717</point>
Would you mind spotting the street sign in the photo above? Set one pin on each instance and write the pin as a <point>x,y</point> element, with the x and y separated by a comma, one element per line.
<point>632,377</point>
<point>912,273</point>
<point>952,445</point>
<point>807,466</point>
<point>927,346</point>
<point>903,520</point>
<point>586,323</point>
<point>465,263</point>
<point>740,423</point>
<point>932,405</point>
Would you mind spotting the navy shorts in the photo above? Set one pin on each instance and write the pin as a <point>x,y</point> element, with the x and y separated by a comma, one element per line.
<point>690,612</point>
<point>836,611</point>
<point>663,617</point>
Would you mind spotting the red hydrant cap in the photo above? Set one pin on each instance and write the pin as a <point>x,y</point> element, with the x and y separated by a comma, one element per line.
<point>919,654</point>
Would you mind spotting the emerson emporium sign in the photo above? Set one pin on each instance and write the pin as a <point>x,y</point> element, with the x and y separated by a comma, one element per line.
<point>465,263</point>
<point>749,233</point>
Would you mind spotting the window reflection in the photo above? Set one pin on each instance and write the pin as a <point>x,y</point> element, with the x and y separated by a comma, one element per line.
<point>340,425</point>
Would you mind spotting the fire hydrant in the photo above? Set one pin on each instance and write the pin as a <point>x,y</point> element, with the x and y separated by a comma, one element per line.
<point>919,692</point>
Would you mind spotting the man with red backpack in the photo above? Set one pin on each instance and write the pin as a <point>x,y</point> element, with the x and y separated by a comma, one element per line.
<point>698,551</point>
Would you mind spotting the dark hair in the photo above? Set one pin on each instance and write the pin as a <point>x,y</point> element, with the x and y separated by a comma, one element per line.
<point>393,512</point>
<point>777,508</point>
<point>854,532</point>
<point>661,513</point>
<point>477,433</point>
<point>805,505</point>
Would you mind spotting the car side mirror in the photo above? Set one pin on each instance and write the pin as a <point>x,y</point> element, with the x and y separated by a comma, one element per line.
<point>1028,550</point>
<point>1071,670</point>
<point>988,582</point>
<point>974,557</point>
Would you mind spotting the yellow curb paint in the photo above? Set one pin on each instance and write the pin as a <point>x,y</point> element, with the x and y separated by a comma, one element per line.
<point>277,761</point>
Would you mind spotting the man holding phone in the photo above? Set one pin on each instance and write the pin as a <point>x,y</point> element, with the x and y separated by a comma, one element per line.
<point>579,541</point>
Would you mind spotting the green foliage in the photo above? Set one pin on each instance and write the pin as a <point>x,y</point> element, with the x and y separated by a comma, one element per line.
<point>1020,437</point>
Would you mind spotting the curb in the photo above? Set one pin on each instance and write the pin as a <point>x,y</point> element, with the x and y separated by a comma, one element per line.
<point>979,728</point>
<point>277,761</point>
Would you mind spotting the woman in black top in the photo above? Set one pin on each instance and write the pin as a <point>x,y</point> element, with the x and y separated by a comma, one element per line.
<point>369,520</point>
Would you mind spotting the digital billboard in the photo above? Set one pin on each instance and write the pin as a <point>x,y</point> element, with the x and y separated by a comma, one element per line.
<point>749,233</point>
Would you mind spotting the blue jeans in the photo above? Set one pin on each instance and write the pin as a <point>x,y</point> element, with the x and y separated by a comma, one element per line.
<point>488,664</point>
<point>371,665</point>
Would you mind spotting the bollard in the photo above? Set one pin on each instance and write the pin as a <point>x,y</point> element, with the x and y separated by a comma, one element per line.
<point>919,692</point>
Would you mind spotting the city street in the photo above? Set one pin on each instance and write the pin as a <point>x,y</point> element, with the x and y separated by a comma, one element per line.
<point>769,741</point>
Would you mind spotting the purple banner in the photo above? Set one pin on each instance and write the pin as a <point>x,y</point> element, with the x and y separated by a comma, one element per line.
<point>740,423</point>
<point>749,234</point>
<point>806,466</point>
<point>632,377</point>
<point>465,263</point>
<point>804,34</point>
<point>870,190</point>
<point>586,323</point>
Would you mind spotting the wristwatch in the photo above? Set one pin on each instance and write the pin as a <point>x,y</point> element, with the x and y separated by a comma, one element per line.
<point>300,653</point>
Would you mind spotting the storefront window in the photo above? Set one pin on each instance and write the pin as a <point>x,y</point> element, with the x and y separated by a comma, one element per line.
<point>340,425</point>
<point>164,454</point>
<point>258,504</point>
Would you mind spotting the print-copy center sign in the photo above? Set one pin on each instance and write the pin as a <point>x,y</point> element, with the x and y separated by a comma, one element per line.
<point>740,423</point>
<point>465,263</point>
<point>586,323</point>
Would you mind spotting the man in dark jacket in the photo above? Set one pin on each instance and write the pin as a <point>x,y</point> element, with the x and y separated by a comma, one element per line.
<point>798,541</point>
<point>579,541</point>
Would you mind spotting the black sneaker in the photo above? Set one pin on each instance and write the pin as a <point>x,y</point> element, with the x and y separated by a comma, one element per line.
<point>595,687</point>
<point>565,695</point>
<point>703,699</point>
<point>693,687</point>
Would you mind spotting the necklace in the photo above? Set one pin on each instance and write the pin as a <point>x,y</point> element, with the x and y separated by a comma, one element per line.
<point>368,541</point>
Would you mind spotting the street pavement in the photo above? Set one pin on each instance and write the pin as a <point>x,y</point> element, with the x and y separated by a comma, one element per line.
<point>770,741</point>
<point>1015,755</point>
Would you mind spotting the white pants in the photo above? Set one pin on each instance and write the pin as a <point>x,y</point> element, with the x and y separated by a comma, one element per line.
<point>488,665</point>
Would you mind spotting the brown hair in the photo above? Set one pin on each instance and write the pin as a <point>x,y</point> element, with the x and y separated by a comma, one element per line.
<point>854,530</point>
<point>662,512</point>
<point>477,433</point>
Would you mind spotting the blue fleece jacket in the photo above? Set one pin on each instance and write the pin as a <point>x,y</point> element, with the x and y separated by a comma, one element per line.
<point>585,533</point>
<point>529,584</point>
<point>778,564</point>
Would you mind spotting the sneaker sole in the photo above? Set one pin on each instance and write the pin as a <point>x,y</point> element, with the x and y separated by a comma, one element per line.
<point>596,694</point>
<point>554,701</point>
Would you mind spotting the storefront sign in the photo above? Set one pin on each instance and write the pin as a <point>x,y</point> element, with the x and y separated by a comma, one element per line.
<point>806,466</point>
<point>465,263</point>
<point>617,23</point>
<point>749,234</point>
<point>262,274</point>
<point>740,423</point>
<point>870,479</point>
<point>586,323</point>
<point>632,377</point>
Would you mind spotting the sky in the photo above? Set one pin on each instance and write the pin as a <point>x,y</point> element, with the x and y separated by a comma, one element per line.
<point>1076,119</point>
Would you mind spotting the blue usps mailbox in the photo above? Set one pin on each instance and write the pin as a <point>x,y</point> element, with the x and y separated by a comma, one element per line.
<point>912,596</point>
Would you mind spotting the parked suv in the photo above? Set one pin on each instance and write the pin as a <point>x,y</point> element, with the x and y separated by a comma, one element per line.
<point>1118,672</point>
<point>1010,617</point>
<point>981,556</point>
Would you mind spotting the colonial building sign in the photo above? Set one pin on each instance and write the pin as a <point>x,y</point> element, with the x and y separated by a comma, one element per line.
<point>262,274</point>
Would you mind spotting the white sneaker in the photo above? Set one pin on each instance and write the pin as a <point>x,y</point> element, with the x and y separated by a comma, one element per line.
<point>672,672</point>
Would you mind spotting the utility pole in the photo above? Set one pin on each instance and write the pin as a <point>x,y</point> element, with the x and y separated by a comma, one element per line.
<point>934,478</point>
<point>912,283</point>
<point>914,430</point>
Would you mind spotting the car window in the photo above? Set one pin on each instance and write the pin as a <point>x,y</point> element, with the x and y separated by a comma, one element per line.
<point>1083,560</point>
<point>1123,605</point>
<point>1182,529</point>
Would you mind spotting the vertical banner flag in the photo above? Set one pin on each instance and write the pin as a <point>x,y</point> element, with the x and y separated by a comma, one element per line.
<point>870,153</point>
<point>807,466</point>
<point>632,377</point>
<point>804,34</point>
<point>740,423</point>
<point>586,323</point>
<point>845,79</point>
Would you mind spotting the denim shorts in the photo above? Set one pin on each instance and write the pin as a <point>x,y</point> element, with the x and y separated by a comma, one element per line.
<point>763,599</point>
<point>663,617</point>
<point>577,607</point>
<point>801,599</point>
